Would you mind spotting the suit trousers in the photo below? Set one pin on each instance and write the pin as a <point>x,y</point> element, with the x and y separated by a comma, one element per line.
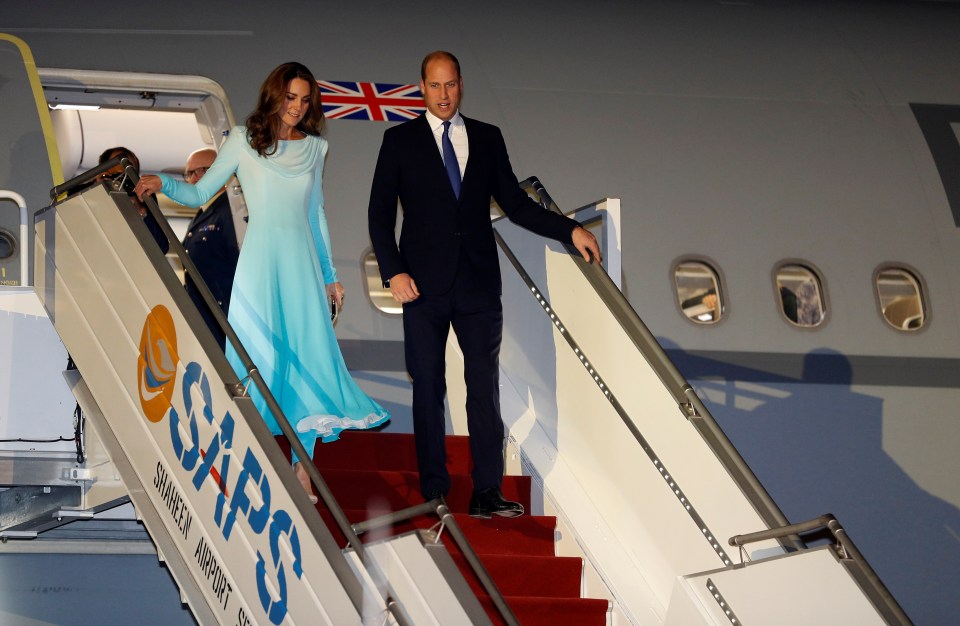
<point>477,319</point>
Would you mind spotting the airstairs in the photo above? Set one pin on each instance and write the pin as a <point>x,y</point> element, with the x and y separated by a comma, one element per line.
<point>206,478</point>
<point>676,524</point>
<point>672,526</point>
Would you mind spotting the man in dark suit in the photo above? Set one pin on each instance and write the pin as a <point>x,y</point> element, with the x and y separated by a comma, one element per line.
<point>444,168</point>
<point>211,242</point>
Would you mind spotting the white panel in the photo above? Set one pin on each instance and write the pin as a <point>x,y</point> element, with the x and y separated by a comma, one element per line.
<point>796,590</point>
<point>35,402</point>
<point>417,582</point>
<point>69,135</point>
<point>162,140</point>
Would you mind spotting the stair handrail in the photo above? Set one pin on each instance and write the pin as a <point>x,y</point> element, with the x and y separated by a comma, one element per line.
<point>439,507</point>
<point>238,389</point>
<point>690,405</point>
<point>83,179</point>
<point>846,549</point>
<point>22,204</point>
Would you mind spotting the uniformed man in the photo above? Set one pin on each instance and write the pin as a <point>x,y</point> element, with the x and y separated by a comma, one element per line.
<point>211,242</point>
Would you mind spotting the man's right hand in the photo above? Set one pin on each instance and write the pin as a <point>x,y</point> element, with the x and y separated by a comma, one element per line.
<point>403,288</point>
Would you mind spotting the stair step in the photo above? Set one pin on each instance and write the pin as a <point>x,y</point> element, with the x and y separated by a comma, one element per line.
<point>392,490</point>
<point>551,611</point>
<point>383,451</point>
<point>372,473</point>
<point>530,535</point>
<point>533,576</point>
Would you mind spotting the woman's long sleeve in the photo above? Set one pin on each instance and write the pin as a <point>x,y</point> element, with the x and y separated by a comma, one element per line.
<point>318,225</point>
<point>225,165</point>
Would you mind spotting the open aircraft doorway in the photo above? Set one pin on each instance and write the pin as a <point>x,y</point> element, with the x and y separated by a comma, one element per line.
<point>162,118</point>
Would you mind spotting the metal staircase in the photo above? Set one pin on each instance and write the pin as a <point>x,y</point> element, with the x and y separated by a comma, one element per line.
<point>204,474</point>
<point>207,479</point>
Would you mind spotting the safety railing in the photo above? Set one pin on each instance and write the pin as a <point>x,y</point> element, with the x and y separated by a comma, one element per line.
<point>693,409</point>
<point>683,393</point>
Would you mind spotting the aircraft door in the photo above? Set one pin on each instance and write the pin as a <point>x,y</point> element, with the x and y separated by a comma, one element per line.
<point>29,161</point>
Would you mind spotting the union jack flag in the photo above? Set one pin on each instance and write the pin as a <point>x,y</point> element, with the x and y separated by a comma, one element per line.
<point>380,102</point>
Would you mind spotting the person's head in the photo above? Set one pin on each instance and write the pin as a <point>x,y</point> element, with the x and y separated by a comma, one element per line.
<point>441,83</point>
<point>289,97</point>
<point>116,175</point>
<point>198,163</point>
<point>112,153</point>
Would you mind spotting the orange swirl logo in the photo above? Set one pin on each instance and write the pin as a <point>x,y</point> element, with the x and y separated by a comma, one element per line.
<point>157,365</point>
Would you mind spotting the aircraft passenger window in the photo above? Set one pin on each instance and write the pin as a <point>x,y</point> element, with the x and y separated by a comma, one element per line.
<point>8,245</point>
<point>901,298</point>
<point>698,292</point>
<point>380,296</point>
<point>800,294</point>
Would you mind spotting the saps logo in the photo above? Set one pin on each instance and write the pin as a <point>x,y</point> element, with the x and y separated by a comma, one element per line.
<point>199,441</point>
<point>157,365</point>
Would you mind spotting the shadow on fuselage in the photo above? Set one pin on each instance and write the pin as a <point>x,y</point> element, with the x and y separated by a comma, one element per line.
<point>816,445</point>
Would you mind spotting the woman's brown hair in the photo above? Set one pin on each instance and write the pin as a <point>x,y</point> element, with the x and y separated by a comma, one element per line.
<point>263,125</point>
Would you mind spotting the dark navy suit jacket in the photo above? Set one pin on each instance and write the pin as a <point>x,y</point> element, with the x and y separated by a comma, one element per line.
<point>439,231</point>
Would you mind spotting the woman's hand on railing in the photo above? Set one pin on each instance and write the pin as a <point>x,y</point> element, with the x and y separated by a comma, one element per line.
<point>147,185</point>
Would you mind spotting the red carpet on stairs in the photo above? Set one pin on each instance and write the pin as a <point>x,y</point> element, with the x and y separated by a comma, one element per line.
<point>372,473</point>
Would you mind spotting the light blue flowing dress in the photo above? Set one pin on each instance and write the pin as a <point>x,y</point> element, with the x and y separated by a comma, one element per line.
<point>278,306</point>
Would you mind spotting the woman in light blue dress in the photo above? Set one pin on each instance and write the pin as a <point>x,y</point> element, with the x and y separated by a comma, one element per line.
<point>279,306</point>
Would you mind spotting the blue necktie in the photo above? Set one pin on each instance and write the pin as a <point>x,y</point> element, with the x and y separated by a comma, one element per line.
<point>450,160</point>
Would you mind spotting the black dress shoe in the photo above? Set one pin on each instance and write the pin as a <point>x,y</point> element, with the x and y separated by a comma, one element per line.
<point>433,495</point>
<point>490,502</point>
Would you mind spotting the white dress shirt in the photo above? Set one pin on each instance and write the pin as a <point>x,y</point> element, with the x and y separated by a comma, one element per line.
<point>458,137</point>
